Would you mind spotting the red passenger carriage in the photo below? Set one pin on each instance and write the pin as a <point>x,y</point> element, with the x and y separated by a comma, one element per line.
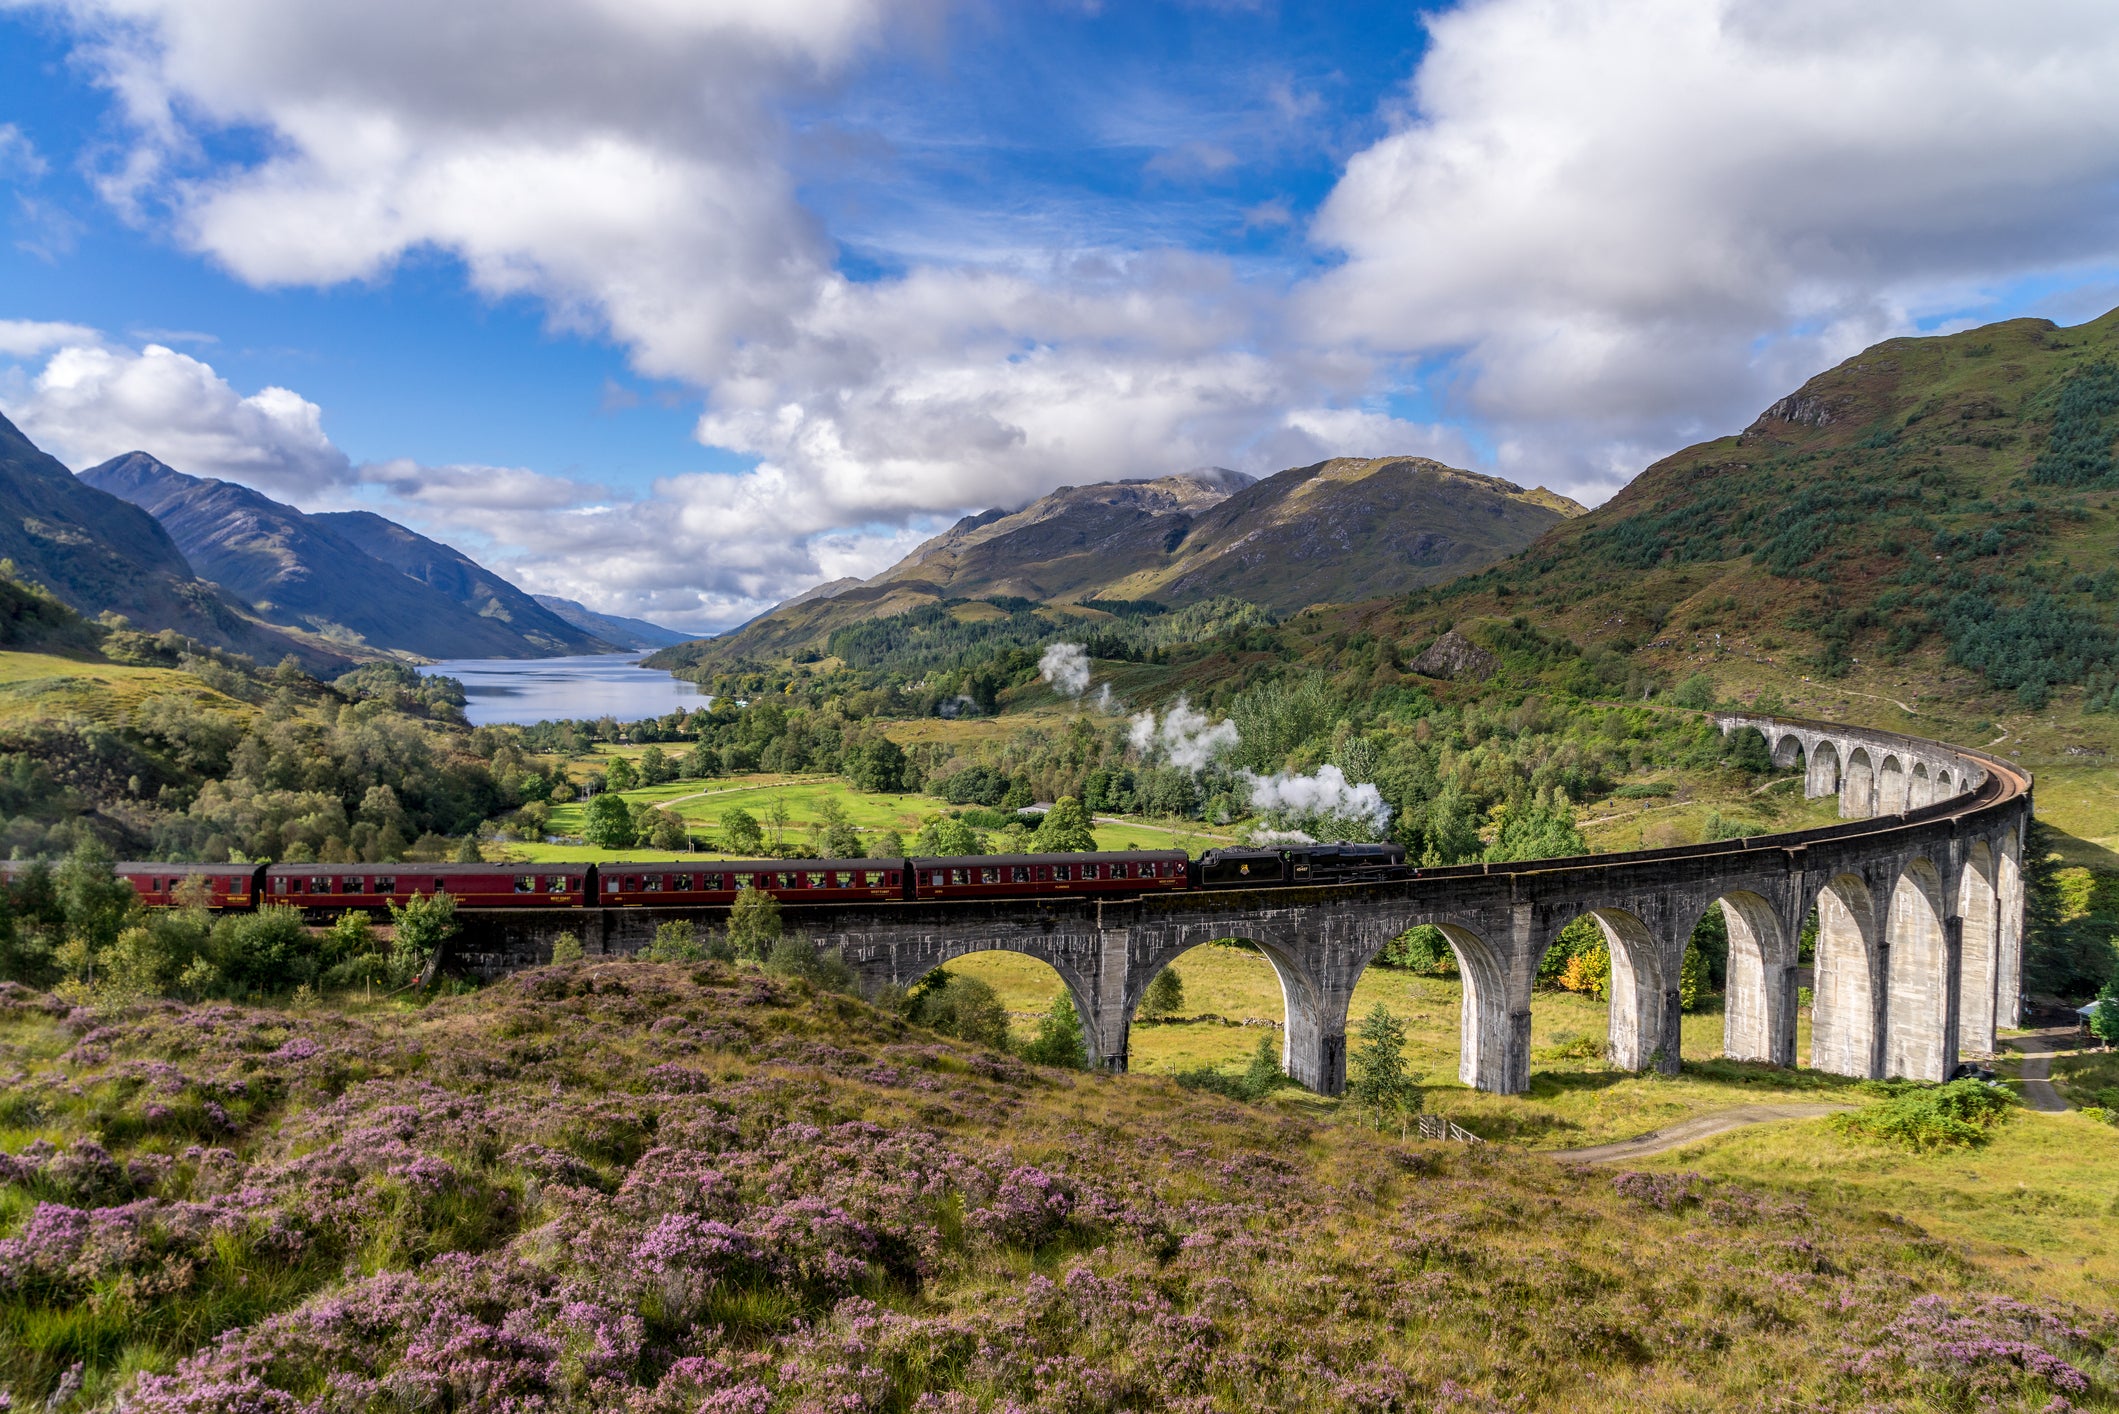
<point>1018,875</point>
<point>342,886</point>
<point>717,881</point>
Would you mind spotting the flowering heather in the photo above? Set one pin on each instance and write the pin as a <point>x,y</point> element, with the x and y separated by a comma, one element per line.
<point>676,1188</point>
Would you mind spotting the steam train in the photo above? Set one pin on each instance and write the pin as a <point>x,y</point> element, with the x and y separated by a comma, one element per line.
<point>332,888</point>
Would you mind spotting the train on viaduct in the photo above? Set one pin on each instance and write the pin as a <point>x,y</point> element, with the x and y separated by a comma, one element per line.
<point>1918,894</point>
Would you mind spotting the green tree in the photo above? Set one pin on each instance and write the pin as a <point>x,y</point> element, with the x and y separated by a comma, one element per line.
<point>1065,829</point>
<point>741,831</point>
<point>1377,1082</point>
<point>1264,1074</point>
<point>567,948</point>
<point>700,763</point>
<point>1539,828</point>
<point>608,823</point>
<point>1697,692</point>
<point>877,764</point>
<point>421,928</point>
<point>2104,1021</point>
<point>666,830</point>
<point>944,837</point>
<point>887,844</point>
<point>262,953</point>
<point>754,924</point>
<point>95,902</point>
<point>777,819</point>
<point>467,851</point>
<point>1692,978</point>
<point>1166,995</point>
<point>1451,832</point>
<point>1058,1040</point>
<point>656,768</point>
<point>620,775</point>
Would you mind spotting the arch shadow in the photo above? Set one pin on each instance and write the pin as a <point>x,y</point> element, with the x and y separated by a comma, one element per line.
<point>1917,1043</point>
<point>1979,951</point>
<point>1844,1030</point>
<point>1759,1001</point>
<point>1857,795</point>
<point>1891,787</point>
<point>1823,776</point>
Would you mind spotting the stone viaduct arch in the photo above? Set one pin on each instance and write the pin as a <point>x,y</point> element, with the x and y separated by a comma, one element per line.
<point>1919,955</point>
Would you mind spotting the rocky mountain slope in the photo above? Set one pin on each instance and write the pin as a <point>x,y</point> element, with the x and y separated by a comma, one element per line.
<point>100,554</point>
<point>1340,530</point>
<point>321,573</point>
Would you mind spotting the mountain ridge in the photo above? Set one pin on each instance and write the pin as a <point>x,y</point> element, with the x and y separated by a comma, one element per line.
<point>1181,538</point>
<point>315,574</point>
<point>98,554</point>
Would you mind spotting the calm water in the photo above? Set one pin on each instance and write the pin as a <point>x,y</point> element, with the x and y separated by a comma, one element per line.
<point>546,689</point>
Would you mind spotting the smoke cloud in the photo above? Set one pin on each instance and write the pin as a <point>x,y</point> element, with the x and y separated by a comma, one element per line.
<point>1325,795</point>
<point>1184,737</point>
<point>1066,667</point>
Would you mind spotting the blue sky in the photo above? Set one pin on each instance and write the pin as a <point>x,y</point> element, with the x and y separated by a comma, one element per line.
<point>677,307</point>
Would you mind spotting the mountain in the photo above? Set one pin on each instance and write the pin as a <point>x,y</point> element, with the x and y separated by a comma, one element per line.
<point>316,572</point>
<point>99,554</point>
<point>611,628</point>
<point>467,582</point>
<point>1931,527</point>
<point>1343,529</point>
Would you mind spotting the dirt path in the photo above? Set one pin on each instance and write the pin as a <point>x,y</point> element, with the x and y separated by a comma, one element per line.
<point>1698,1127</point>
<point>2037,1072</point>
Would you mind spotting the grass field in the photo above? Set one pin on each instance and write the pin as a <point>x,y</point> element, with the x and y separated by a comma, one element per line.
<point>1575,1098</point>
<point>2041,1201</point>
<point>39,687</point>
<point>705,805</point>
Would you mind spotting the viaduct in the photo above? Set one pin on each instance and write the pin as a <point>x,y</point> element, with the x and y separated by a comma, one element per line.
<point>1918,895</point>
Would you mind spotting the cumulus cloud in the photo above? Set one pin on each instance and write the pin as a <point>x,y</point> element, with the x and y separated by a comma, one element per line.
<point>1639,220</point>
<point>26,338</point>
<point>94,401</point>
<point>1596,228</point>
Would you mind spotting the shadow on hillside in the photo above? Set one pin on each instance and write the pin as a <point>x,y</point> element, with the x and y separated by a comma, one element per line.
<point>2073,849</point>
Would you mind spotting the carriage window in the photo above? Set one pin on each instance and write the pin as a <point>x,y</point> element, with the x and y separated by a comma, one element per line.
<point>553,884</point>
<point>279,886</point>
<point>632,883</point>
<point>960,876</point>
<point>1062,872</point>
<point>989,875</point>
<point>319,886</point>
<point>893,876</point>
<point>873,878</point>
<point>1021,873</point>
<point>525,883</point>
<point>820,881</point>
<point>610,884</point>
<point>386,886</point>
<point>654,883</point>
<point>941,876</point>
<point>682,883</point>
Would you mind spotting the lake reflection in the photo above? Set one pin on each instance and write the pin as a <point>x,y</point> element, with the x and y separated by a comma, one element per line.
<point>548,689</point>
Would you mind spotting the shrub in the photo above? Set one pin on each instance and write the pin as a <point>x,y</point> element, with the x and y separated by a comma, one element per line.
<point>795,956</point>
<point>1065,828</point>
<point>421,926</point>
<point>263,952</point>
<point>1692,979</point>
<point>963,1007</point>
<point>754,924</point>
<point>1166,995</point>
<point>567,948</point>
<point>1925,1118</point>
<point>1259,1079</point>
<point>1696,692</point>
<point>1058,1039</point>
<point>1423,949</point>
<point>675,941</point>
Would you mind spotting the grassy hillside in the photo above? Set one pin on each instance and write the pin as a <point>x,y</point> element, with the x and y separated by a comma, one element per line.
<point>665,1188</point>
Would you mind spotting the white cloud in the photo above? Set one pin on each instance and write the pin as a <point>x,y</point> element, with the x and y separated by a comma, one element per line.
<point>1599,227</point>
<point>93,401</point>
<point>1641,220</point>
<point>26,338</point>
<point>19,158</point>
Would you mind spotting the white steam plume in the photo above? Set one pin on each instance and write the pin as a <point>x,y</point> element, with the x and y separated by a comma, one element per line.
<point>1066,667</point>
<point>1184,737</point>
<point>1323,795</point>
